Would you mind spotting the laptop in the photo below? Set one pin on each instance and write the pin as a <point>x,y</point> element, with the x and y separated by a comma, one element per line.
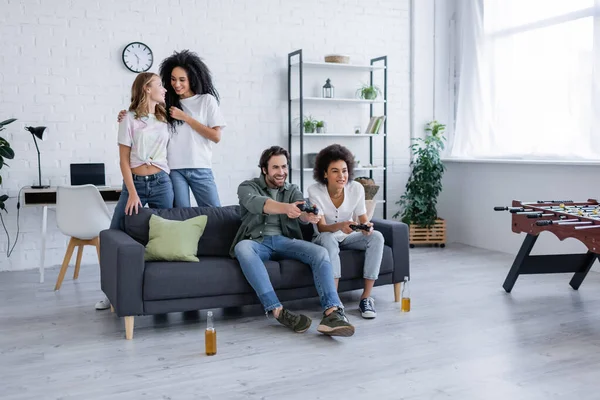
<point>88,174</point>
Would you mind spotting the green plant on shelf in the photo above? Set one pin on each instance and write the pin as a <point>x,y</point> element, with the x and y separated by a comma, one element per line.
<point>368,92</point>
<point>310,124</point>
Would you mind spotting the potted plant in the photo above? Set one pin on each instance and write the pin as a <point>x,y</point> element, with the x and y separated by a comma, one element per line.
<point>310,124</point>
<point>6,152</point>
<point>368,92</point>
<point>418,203</point>
<point>320,126</point>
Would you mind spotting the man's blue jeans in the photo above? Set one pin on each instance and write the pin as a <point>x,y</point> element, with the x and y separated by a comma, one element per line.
<point>202,183</point>
<point>251,255</point>
<point>155,190</point>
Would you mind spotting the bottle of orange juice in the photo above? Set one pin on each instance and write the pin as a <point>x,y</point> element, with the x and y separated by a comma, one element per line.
<point>405,307</point>
<point>210,336</point>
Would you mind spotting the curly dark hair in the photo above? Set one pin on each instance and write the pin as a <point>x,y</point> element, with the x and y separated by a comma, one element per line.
<point>270,152</point>
<point>329,154</point>
<point>199,77</point>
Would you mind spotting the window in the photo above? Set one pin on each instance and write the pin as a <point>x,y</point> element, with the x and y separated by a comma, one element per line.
<point>526,88</point>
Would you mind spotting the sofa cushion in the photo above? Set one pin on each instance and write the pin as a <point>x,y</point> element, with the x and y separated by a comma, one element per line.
<point>221,227</point>
<point>211,276</point>
<point>295,274</point>
<point>171,240</point>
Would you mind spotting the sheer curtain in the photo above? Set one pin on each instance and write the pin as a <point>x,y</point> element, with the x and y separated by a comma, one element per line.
<point>527,87</point>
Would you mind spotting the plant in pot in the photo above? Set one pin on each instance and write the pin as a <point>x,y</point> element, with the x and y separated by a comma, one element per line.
<point>418,203</point>
<point>310,124</point>
<point>6,152</point>
<point>368,92</point>
<point>320,126</point>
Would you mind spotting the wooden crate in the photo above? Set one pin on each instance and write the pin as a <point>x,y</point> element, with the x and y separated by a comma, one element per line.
<point>435,235</point>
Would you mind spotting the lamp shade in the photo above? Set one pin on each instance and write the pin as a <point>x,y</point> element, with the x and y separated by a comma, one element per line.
<point>37,131</point>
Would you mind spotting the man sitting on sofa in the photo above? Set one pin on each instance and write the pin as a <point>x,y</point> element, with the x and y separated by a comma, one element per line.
<point>270,230</point>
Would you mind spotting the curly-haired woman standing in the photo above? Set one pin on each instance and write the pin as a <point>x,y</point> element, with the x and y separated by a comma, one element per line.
<point>195,121</point>
<point>341,201</point>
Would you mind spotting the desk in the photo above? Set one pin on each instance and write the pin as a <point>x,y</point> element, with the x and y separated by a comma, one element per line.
<point>47,198</point>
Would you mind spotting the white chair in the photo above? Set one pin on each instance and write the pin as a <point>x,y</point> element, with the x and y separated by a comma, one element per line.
<point>82,214</point>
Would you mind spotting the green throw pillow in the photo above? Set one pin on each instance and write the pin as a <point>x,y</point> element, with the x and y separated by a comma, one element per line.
<point>174,240</point>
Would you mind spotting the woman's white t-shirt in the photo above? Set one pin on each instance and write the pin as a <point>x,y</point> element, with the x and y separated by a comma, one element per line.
<point>187,148</point>
<point>148,138</point>
<point>351,208</point>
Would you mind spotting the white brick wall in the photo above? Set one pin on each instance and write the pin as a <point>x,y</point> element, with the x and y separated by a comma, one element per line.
<point>63,70</point>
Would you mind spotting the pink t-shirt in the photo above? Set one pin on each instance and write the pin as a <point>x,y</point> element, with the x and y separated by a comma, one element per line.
<point>148,139</point>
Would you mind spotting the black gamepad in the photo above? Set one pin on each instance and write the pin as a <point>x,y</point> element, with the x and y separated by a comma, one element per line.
<point>308,208</point>
<point>364,227</point>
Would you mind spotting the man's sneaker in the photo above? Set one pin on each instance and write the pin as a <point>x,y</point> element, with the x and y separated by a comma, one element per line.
<point>336,324</point>
<point>103,304</point>
<point>367,308</point>
<point>297,322</point>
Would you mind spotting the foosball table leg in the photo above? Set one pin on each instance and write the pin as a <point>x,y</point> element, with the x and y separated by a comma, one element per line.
<point>522,255</point>
<point>585,268</point>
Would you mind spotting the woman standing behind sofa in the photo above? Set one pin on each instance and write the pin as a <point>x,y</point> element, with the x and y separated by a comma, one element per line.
<point>342,203</point>
<point>196,121</point>
<point>143,138</point>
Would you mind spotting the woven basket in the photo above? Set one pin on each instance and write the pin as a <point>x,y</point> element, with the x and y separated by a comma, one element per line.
<point>334,58</point>
<point>370,191</point>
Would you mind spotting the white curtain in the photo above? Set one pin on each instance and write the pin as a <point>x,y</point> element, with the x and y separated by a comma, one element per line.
<point>527,84</point>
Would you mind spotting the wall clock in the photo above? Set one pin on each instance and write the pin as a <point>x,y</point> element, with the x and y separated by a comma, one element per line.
<point>137,57</point>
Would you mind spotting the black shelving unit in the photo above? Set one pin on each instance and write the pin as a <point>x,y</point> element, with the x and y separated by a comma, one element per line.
<point>295,60</point>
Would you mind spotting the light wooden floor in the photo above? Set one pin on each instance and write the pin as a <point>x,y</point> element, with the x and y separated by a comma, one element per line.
<point>465,338</point>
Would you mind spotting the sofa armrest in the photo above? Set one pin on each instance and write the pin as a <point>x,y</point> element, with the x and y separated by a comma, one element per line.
<point>122,271</point>
<point>395,234</point>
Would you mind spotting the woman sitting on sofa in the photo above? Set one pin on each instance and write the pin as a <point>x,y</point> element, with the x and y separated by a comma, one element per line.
<point>341,201</point>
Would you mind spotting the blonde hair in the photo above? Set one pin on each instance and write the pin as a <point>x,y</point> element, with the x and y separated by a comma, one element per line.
<point>139,97</point>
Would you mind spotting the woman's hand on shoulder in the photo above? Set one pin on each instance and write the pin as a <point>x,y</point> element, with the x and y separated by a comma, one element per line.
<point>121,115</point>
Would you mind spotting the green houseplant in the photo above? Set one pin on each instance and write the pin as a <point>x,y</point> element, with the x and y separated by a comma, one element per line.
<point>320,126</point>
<point>6,152</point>
<point>418,203</point>
<point>368,92</point>
<point>310,124</point>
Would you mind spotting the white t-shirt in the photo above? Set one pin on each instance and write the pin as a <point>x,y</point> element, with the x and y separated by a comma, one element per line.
<point>148,139</point>
<point>189,149</point>
<point>352,207</point>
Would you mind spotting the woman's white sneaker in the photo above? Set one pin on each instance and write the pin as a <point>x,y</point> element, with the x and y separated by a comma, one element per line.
<point>103,304</point>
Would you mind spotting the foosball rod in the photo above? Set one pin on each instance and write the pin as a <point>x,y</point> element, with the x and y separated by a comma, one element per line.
<point>561,222</point>
<point>587,227</point>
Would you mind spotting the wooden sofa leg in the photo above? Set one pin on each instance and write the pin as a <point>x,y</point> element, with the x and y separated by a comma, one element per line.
<point>128,328</point>
<point>397,292</point>
<point>112,309</point>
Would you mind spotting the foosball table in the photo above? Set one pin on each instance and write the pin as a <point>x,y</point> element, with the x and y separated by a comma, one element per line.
<point>565,219</point>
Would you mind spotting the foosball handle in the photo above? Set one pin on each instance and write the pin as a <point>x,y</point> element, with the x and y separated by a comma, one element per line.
<point>500,208</point>
<point>544,222</point>
<point>538,215</point>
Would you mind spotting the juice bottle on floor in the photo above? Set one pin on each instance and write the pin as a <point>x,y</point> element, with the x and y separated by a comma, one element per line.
<point>210,336</point>
<point>405,307</point>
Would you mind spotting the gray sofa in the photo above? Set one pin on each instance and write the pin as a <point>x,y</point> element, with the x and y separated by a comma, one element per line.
<point>136,287</point>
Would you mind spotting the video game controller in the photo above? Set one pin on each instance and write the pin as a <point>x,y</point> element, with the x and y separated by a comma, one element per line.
<point>308,208</point>
<point>364,227</point>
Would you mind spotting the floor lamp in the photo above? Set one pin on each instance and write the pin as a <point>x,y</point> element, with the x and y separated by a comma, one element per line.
<point>38,132</point>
